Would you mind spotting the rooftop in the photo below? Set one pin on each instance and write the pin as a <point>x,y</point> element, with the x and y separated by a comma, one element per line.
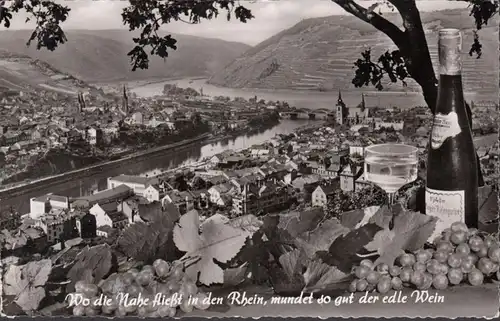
<point>119,191</point>
<point>49,197</point>
<point>133,179</point>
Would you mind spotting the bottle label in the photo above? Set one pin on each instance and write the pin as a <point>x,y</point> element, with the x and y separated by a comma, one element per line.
<point>444,126</point>
<point>447,206</point>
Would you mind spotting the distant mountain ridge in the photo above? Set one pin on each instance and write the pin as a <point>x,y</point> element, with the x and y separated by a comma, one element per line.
<point>318,54</point>
<point>101,56</point>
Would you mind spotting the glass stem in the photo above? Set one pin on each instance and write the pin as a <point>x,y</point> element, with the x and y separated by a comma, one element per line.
<point>390,202</point>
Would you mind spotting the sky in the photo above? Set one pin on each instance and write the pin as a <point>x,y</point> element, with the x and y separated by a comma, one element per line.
<point>271,17</point>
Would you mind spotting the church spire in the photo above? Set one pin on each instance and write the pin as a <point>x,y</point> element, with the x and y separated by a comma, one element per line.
<point>125,100</point>
<point>339,100</point>
<point>363,106</point>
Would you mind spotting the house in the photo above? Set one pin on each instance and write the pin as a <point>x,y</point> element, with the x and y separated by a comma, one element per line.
<point>108,214</point>
<point>217,192</point>
<point>184,201</point>
<point>94,136</point>
<point>155,192</point>
<point>201,198</point>
<point>86,225</point>
<point>137,183</point>
<point>263,199</point>
<point>113,195</point>
<point>43,204</point>
<point>324,192</point>
<point>106,231</point>
<point>349,175</point>
<point>301,182</point>
<point>58,224</point>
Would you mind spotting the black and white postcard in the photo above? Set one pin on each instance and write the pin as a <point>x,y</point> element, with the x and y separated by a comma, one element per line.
<point>268,158</point>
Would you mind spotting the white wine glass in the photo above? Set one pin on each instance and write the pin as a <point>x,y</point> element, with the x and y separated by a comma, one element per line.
<point>391,166</point>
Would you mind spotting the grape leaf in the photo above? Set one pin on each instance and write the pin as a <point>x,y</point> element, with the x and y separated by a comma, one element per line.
<point>488,204</point>
<point>150,241</point>
<point>296,223</point>
<point>321,237</point>
<point>249,223</point>
<point>343,252</point>
<point>411,231</point>
<point>370,215</point>
<point>351,218</point>
<point>235,276</point>
<point>320,276</point>
<point>27,282</point>
<point>216,241</point>
<point>92,264</point>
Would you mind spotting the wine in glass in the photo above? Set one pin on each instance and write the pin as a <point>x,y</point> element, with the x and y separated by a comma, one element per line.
<point>391,166</point>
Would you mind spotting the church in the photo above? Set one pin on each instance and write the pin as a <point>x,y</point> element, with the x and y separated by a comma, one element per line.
<point>351,115</point>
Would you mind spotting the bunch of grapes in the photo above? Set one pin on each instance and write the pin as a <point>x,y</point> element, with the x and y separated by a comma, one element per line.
<point>459,255</point>
<point>161,277</point>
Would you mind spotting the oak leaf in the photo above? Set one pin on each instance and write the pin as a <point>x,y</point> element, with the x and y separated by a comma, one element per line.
<point>27,282</point>
<point>217,241</point>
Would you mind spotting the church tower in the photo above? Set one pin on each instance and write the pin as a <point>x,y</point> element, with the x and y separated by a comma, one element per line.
<point>125,101</point>
<point>362,106</point>
<point>341,110</point>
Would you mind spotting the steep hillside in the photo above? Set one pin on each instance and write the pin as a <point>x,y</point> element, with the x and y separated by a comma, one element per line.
<point>99,56</point>
<point>318,54</point>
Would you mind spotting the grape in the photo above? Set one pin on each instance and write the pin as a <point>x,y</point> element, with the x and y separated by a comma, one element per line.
<point>189,288</point>
<point>176,273</point>
<point>133,290</point>
<point>149,268</point>
<point>441,256</point>
<point>142,312</point>
<point>444,246</point>
<point>127,278</point>
<point>396,283</point>
<point>458,237</point>
<point>353,286</point>
<point>462,249</point>
<point>120,311</point>
<point>361,271</point>
<point>94,304</point>
<point>443,268</point>
<point>498,275</point>
<point>494,254</point>
<point>162,269</point>
<point>419,266</point>
<point>173,286</point>
<point>133,271</point>
<point>90,312</point>
<point>454,260</point>
<point>440,282</point>
<point>407,259</point>
<point>144,277</point>
<point>202,302</point>
<point>417,278</point>
<point>489,241</point>
<point>475,243</point>
<point>361,285</point>
<point>80,286</point>
<point>394,270</point>
<point>79,310</point>
<point>131,308</point>
<point>455,276</point>
<point>110,308</point>
<point>423,256</point>
<point>446,234</point>
<point>384,284</point>
<point>472,258</point>
<point>368,263</point>
<point>433,266</point>
<point>186,306</point>
<point>485,265</point>
<point>405,274</point>
<point>483,251</point>
<point>475,277</point>
<point>383,268</point>
<point>459,226</point>
<point>466,266</point>
<point>370,287</point>
<point>427,282</point>
<point>373,277</point>
<point>166,311</point>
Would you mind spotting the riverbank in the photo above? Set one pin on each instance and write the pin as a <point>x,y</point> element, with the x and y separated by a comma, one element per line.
<point>87,171</point>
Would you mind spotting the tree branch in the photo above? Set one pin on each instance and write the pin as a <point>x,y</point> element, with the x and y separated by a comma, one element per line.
<point>382,24</point>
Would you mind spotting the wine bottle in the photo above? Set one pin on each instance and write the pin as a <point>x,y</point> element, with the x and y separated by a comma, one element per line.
<point>452,181</point>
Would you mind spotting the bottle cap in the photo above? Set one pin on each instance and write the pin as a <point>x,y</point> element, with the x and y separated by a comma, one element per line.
<point>450,49</point>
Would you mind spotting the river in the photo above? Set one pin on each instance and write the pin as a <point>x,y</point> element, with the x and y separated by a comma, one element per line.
<point>299,99</point>
<point>151,165</point>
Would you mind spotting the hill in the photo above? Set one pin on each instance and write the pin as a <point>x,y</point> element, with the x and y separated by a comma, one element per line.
<point>101,55</point>
<point>318,54</point>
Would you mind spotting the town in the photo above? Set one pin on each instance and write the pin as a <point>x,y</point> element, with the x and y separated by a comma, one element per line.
<point>318,167</point>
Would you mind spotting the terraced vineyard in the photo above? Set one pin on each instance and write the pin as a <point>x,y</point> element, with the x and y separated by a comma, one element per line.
<point>318,54</point>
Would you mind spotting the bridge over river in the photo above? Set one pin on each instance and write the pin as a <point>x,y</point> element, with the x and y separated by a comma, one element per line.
<point>305,113</point>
